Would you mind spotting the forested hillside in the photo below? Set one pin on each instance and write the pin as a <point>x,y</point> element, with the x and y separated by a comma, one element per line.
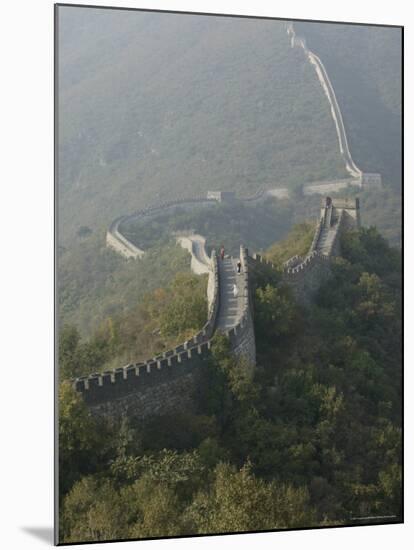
<point>95,283</point>
<point>153,106</point>
<point>156,105</point>
<point>310,437</point>
<point>160,320</point>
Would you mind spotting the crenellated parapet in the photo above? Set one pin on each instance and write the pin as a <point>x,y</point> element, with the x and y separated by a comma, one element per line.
<point>306,277</point>
<point>172,380</point>
<point>293,261</point>
<point>306,274</point>
<point>161,384</point>
<point>164,383</point>
<point>307,264</point>
<point>213,292</point>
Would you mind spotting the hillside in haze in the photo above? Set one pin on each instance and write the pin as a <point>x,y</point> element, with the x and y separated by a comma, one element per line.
<point>297,418</point>
<point>154,105</point>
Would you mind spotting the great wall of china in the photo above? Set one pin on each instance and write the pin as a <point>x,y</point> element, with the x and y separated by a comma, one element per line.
<point>357,178</point>
<point>174,380</point>
<point>300,42</point>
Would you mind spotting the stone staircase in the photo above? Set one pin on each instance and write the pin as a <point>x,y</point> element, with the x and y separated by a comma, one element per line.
<point>327,234</point>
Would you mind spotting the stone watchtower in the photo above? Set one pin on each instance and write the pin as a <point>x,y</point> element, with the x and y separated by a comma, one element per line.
<point>349,208</point>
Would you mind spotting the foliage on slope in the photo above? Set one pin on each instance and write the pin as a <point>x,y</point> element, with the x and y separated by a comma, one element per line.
<point>312,436</point>
<point>335,384</point>
<point>163,319</point>
<point>256,225</point>
<point>94,282</point>
<point>297,243</point>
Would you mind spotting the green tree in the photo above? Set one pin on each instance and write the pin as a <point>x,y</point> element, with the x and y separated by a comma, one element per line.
<point>186,311</point>
<point>374,299</point>
<point>297,243</point>
<point>78,358</point>
<point>93,511</point>
<point>83,440</point>
<point>160,511</point>
<point>275,313</point>
<point>237,373</point>
<point>238,501</point>
<point>69,338</point>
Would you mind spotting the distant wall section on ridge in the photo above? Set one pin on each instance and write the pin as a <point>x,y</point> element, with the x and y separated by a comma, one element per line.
<point>360,179</point>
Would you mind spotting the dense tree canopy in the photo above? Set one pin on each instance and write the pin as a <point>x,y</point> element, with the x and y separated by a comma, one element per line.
<point>164,318</point>
<point>310,436</point>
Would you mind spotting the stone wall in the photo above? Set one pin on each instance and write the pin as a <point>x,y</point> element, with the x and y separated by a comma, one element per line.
<point>303,275</point>
<point>195,245</point>
<point>327,187</point>
<point>300,42</point>
<point>213,284</point>
<point>361,179</point>
<point>305,278</point>
<point>348,208</point>
<point>118,242</point>
<point>140,390</point>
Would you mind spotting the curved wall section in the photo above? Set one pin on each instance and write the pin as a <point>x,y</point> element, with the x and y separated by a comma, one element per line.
<point>196,246</point>
<point>118,242</point>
